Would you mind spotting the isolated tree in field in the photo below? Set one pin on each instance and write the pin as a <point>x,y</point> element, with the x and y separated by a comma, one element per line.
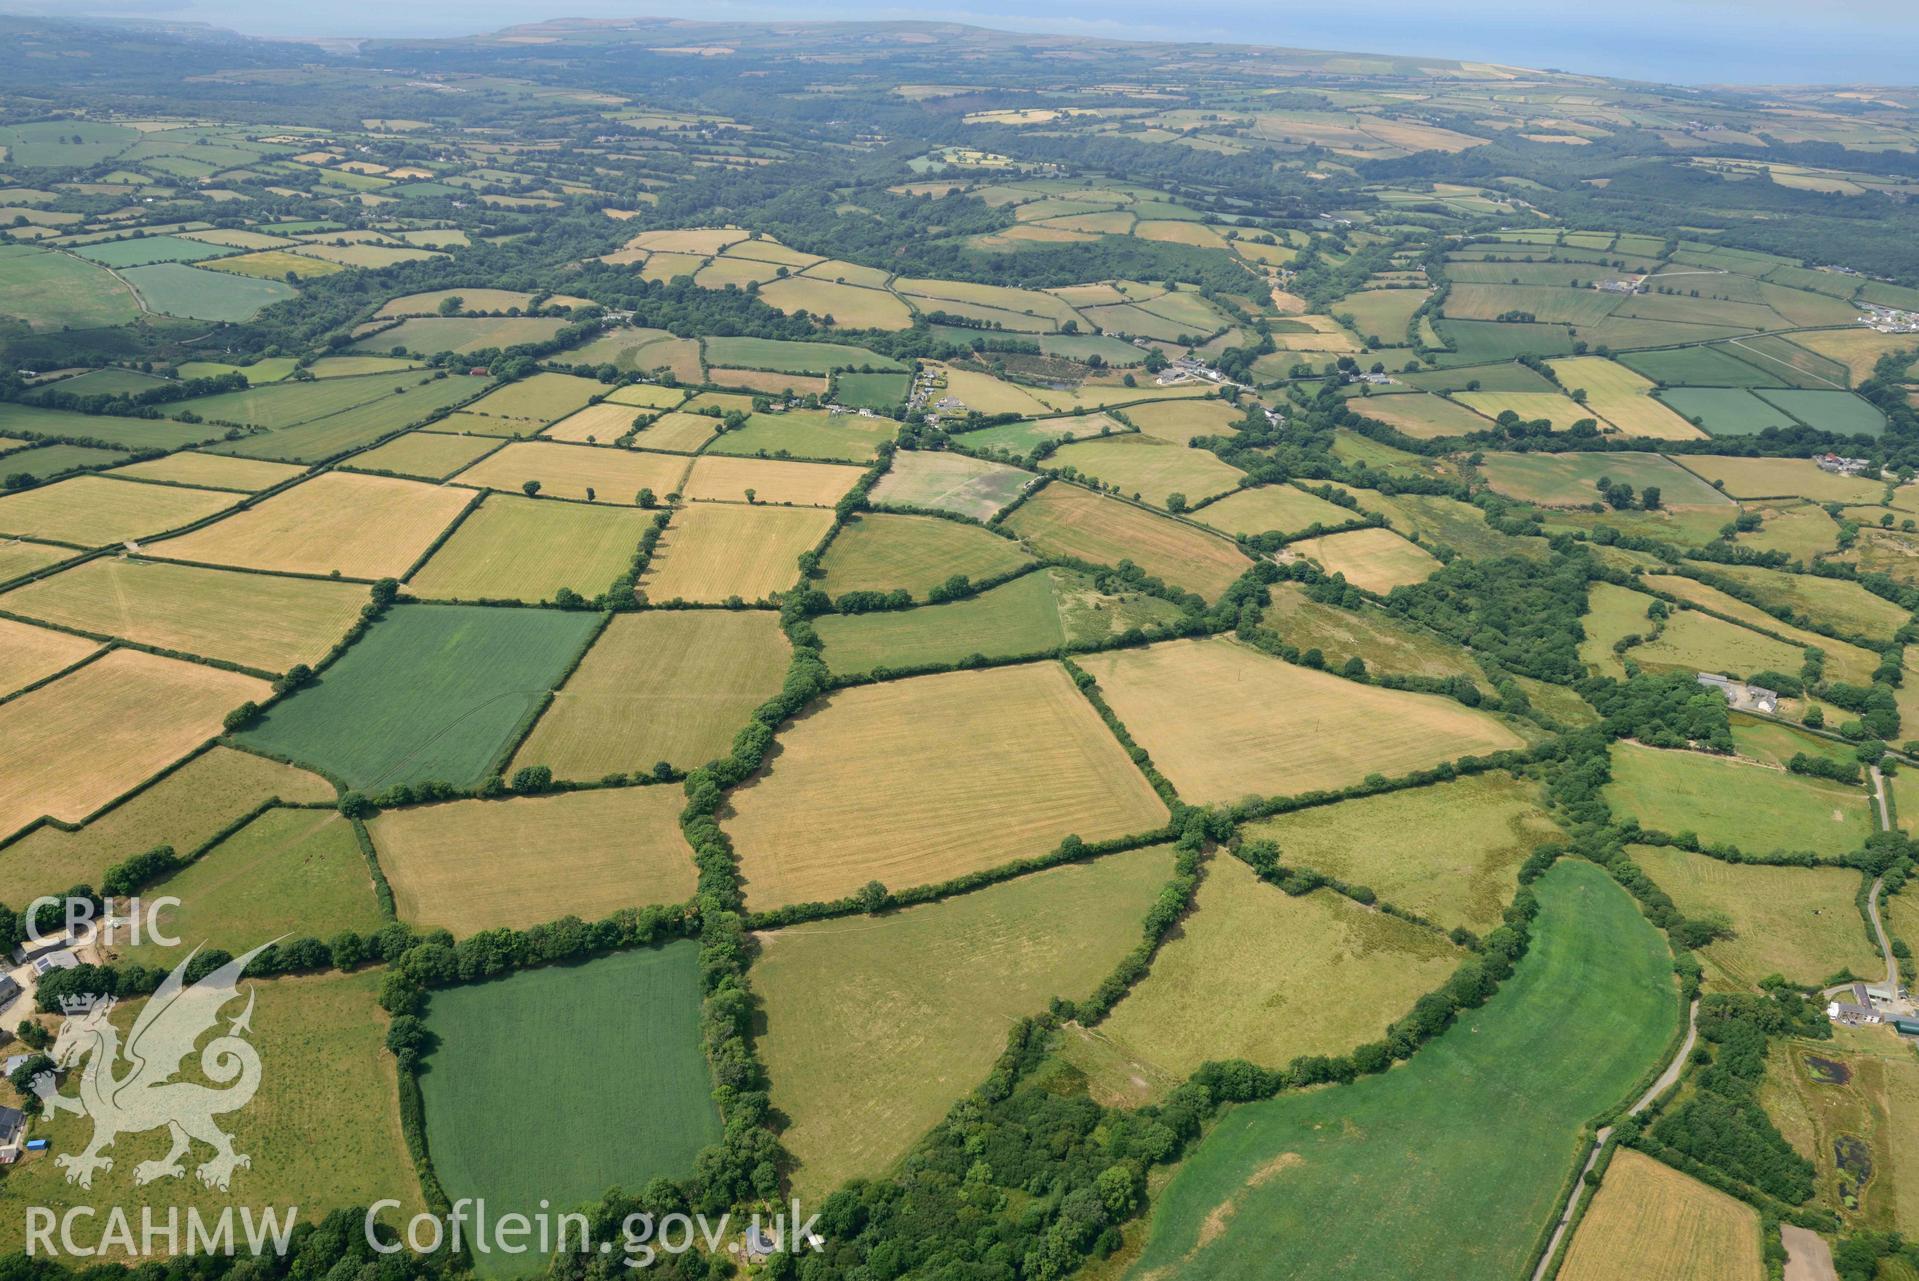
<point>646,499</point>
<point>751,495</point>
<point>1649,498</point>
<point>530,488</point>
<point>589,493</point>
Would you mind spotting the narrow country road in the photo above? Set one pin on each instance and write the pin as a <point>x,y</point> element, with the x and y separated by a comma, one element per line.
<point>1657,1088</point>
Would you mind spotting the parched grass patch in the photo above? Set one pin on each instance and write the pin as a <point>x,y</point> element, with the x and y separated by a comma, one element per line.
<point>712,552</point>
<point>768,480</point>
<point>1762,811</point>
<point>256,620</point>
<point>480,865</point>
<point>429,335</point>
<point>1224,721</point>
<point>323,438</point>
<point>1836,602</point>
<point>69,747</point>
<point>1801,922</point>
<point>1148,468</point>
<point>1021,760</point>
<point>809,433</point>
<point>290,873</point>
<point>321,1042</point>
<point>1065,520</point>
<point>1560,410</point>
<point>212,471</point>
<point>1179,421</point>
<point>1649,1220</point>
<point>1032,614</point>
<point>1470,1174</point>
<point>600,424</point>
<point>361,526</point>
<point>1696,642</point>
<point>29,653</point>
<point>515,548</point>
<point>1784,477</point>
<point>91,511</point>
<point>677,432</point>
<point>1385,643</point>
<point>185,809</point>
<point>1619,396</point>
<point>1565,480</point>
<point>1846,662</point>
<point>428,455</point>
<point>1317,974</point>
<point>1375,560</point>
<point>645,395</point>
<point>1450,852</point>
<point>866,1054</point>
<point>543,397</point>
<point>843,306</point>
<point>433,692</point>
<point>1612,614</point>
<point>1421,415</point>
<point>664,685</point>
<point>633,1017</point>
<point>881,551</point>
<point>568,471</point>
<point>950,482</point>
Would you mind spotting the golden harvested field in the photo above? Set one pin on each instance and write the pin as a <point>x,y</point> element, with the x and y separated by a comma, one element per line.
<point>1780,477</point>
<point>1421,415</point>
<point>601,424</point>
<point>212,471</point>
<point>1797,921</point>
<point>91,511</point>
<point>1857,348</point>
<point>946,481</point>
<point>646,396</point>
<point>681,433</point>
<point>1223,721</point>
<point>1065,520</point>
<point>1258,974</point>
<point>768,381</point>
<point>18,558</point>
<point>1561,411</point>
<point>1375,560</point>
<point>1623,398</point>
<point>362,526</point>
<point>866,1054</point>
<point>849,306</point>
<point>1450,852</point>
<point>1178,421</point>
<point>1649,1222</point>
<point>714,551</point>
<point>718,478</point>
<point>185,809</point>
<point>544,397</point>
<point>29,653</point>
<point>665,685</point>
<point>986,394</point>
<point>256,620</point>
<point>69,747</point>
<point>480,865</point>
<point>568,471</point>
<point>882,551</point>
<point>1272,507</point>
<point>1150,469</point>
<point>428,455</point>
<point>1020,757</point>
<point>516,548</point>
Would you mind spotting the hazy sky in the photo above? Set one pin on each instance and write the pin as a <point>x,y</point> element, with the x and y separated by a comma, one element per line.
<point>1683,41</point>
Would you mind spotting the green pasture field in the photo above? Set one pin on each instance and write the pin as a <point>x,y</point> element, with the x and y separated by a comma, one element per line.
<point>1065,520</point>
<point>185,809</point>
<point>1725,411</point>
<point>1761,811</point>
<point>1312,974</point>
<point>786,357</point>
<point>1590,1008</point>
<point>1790,363</point>
<point>52,291</point>
<point>290,873</point>
<point>48,144</point>
<point>951,482</point>
<point>664,685</point>
<point>1612,612</point>
<point>1022,437</point>
<point>1839,604</point>
<point>321,438</point>
<point>1447,522</point>
<point>1801,530</point>
<point>1420,415</point>
<point>1489,340</point>
<point>1571,479</point>
<point>1461,870</point>
<point>145,250</point>
<point>514,548</point>
<point>1382,313</point>
<point>181,290</point>
<point>808,433</point>
<point>322,1058</point>
<point>424,454</point>
<point>881,393</point>
<point>881,551</point>
<point>268,369</point>
<point>1033,613</point>
<point>1843,661</point>
<point>1800,922</point>
<point>431,692</point>
<point>1264,508</point>
<point>1696,642</point>
<point>111,381</point>
<point>1149,469</point>
<point>268,623</point>
<point>1510,376</point>
<point>274,264</point>
<point>1835,411</point>
<point>31,422</point>
<point>1771,743</point>
<point>1386,643</point>
<point>283,404</point>
<point>866,1054</point>
<point>1699,367</point>
<point>544,397</point>
<point>49,461</point>
<point>428,335</point>
<point>632,1016</point>
<point>1783,477</point>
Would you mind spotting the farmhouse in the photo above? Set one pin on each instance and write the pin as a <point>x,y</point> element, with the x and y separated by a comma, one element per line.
<point>1842,466</point>
<point>8,990</point>
<point>61,960</point>
<point>1851,1013</point>
<point>13,1126</point>
<point>1754,698</point>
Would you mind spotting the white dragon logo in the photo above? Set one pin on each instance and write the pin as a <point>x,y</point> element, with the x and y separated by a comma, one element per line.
<point>144,1097</point>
